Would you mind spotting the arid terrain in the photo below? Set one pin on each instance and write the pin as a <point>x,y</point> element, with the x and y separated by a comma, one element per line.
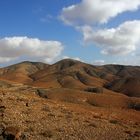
<point>69,100</point>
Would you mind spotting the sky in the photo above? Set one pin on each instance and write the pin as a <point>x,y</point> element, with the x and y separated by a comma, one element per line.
<point>93,31</point>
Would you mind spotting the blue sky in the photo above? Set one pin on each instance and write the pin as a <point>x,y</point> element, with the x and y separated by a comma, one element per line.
<point>46,20</point>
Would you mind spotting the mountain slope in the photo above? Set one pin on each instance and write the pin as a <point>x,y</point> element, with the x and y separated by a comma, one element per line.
<point>126,79</point>
<point>68,74</point>
<point>74,74</point>
<point>21,72</point>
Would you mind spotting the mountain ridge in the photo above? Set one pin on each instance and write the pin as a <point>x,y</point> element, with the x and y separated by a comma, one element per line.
<point>73,74</point>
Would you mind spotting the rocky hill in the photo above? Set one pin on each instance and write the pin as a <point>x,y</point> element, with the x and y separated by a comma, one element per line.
<point>69,100</point>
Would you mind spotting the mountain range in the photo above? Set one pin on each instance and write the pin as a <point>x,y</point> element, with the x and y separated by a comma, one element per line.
<point>69,100</point>
<point>74,74</point>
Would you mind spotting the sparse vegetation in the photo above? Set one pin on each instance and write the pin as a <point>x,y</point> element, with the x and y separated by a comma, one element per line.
<point>114,121</point>
<point>47,133</point>
<point>94,89</point>
<point>134,105</point>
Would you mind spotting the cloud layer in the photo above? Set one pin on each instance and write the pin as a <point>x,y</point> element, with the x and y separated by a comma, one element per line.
<point>96,11</point>
<point>121,40</point>
<point>15,47</point>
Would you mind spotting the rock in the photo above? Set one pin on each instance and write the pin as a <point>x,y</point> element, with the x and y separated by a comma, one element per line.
<point>12,133</point>
<point>2,109</point>
<point>1,138</point>
<point>24,136</point>
<point>137,134</point>
<point>2,127</point>
<point>42,93</point>
<point>27,104</point>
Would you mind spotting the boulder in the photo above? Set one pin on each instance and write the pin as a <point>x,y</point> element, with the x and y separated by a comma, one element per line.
<point>12,133</point>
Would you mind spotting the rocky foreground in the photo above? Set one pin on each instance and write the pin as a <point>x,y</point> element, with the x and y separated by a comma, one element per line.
<point>25,115</point>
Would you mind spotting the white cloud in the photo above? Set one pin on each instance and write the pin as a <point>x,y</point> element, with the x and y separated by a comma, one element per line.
<point>121,40</point>
<point>47,18</point>
<point>96,11</point>
<point>6,59</point>
<point>99,62</point>
<point>16,47</point>
<point>74,58</point>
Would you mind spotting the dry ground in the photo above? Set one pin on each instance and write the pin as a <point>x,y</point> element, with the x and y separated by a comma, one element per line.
<point>64,118</point>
